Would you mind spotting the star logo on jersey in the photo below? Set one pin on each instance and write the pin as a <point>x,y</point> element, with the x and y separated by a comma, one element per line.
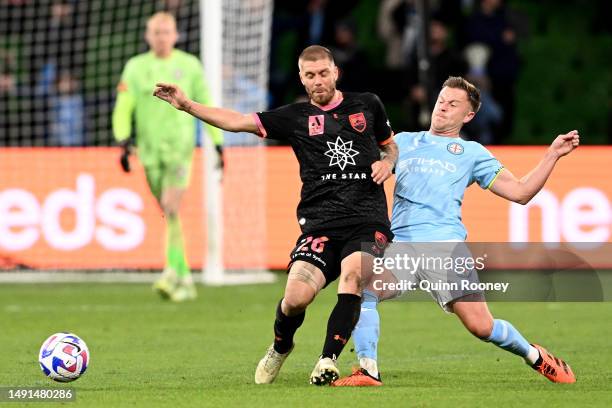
<point>341,153</point>
<point>454,148</point>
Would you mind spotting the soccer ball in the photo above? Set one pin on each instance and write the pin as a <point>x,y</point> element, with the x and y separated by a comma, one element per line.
<point>63,357</point>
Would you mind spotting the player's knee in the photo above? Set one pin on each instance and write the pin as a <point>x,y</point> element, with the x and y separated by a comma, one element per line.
<point>378,285</point>
<point>171,203</point>
<point>169,211</point>
<point>480,329</point>
<point>296,303</point>
<point>352,277</point>
<point>303,272</point>
<point>170,208</point>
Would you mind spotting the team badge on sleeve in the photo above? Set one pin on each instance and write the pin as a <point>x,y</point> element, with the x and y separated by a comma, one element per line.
<point>358,121</point>
<point>454,148</point>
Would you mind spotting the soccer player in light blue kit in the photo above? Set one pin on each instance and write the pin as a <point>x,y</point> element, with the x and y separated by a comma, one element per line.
<point>432,172</point>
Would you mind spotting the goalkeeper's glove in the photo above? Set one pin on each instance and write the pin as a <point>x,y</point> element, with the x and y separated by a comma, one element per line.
<point>126,150</point>
<point>221,163</point>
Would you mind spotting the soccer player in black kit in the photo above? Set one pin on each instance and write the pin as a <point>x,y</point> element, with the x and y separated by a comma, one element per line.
<point>345,148</point>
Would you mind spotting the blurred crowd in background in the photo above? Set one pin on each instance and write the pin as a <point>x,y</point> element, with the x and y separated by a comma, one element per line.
<point>52,91</point>
<point>477,40</point>
<point>380,46</point>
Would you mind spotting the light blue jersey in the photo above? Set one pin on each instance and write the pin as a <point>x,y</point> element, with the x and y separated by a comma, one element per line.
<point>432,173</point>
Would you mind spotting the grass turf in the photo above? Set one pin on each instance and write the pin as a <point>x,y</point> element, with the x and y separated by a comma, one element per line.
<point>147,352</point>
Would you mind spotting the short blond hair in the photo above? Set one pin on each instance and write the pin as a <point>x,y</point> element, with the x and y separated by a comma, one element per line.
<point>470,89</point>
<point>315,53</point>
<point>161,16</point>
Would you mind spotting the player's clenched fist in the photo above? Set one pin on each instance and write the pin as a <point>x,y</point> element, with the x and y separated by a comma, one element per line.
<point>172,94</point>
<point>564,144</point>
<point>381,170</point>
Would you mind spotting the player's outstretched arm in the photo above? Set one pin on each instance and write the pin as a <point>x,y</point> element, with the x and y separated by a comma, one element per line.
<point>383,168</point>
<point>222,118</point>
<point>522,191</point>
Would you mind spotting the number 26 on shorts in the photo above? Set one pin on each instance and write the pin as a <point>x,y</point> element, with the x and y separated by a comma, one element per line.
<point>317,245</point>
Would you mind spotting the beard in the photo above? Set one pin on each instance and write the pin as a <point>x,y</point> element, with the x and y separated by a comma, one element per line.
<point>322,98</point>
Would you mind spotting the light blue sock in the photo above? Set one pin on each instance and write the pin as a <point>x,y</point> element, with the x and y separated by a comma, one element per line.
<point>367,330</point>
<point>505,336</point>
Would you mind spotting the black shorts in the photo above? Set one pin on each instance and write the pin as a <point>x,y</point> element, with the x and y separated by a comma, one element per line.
<point>326,249</point>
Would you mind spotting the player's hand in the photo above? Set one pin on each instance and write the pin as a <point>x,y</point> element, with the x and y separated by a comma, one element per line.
<point>124,159</point>
<point>172,94</point>
<point>221,163</point>
<point>564,144</point>
<point>381,170</point>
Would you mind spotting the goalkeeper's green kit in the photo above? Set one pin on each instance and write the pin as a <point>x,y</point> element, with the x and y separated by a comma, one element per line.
<point>165,136</point>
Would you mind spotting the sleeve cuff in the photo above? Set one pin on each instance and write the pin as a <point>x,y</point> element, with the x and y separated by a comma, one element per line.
<point>494,178</point>
<point>260,127</point>
<point>387,141</point>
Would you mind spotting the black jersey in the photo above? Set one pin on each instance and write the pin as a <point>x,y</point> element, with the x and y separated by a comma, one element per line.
<point>335,146</point>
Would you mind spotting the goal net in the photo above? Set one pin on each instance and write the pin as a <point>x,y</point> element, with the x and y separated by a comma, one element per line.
<point>235,51</point>
<point>64,202</point>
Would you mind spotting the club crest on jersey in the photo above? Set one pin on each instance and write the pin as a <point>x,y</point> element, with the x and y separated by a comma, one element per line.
<point>454,148</point>
<point>358,121</point>
<point>316,125</point>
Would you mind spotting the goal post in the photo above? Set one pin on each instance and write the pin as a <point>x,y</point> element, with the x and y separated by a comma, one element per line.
<point>234,48</point>
<point>211,43</point>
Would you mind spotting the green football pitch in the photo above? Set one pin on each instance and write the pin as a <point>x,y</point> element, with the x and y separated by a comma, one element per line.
<point>147,352</point>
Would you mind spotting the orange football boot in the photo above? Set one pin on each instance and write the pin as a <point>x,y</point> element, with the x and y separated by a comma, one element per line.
<point>359,378</point>
<point>553,368</point>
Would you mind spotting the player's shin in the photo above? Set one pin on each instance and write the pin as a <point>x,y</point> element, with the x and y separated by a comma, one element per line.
<point>367,332</point>
<point>175,248</point>
<point>285,328</point>
<point>505,336</point>
<point>342,321</point>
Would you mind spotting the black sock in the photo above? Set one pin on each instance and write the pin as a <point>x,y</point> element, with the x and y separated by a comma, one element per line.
<point>284,329</point>
<point>341,323</point>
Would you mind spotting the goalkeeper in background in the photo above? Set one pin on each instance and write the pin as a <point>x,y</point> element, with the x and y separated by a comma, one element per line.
<point>165,138</point>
